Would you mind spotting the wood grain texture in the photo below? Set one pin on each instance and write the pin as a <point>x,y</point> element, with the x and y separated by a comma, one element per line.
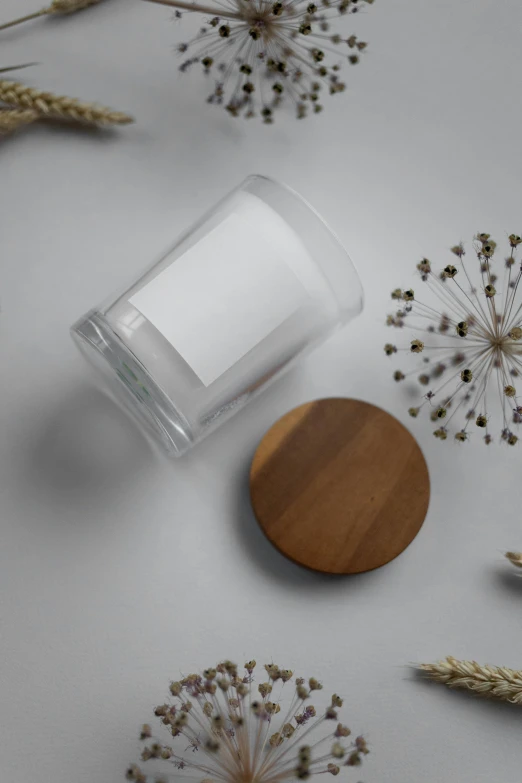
<point>339,486</point>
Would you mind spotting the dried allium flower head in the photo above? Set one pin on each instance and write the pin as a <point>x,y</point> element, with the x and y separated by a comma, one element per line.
<point>224,729</point>
<point>262,53</point>
<point>469,317</point>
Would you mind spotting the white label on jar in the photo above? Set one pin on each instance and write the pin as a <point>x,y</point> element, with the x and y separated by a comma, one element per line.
<point>230,290</point>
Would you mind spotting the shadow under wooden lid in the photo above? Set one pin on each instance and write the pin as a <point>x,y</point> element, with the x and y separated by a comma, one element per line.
<point>339,486</point>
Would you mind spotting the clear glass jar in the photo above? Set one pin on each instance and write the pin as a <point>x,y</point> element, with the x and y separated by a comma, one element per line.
<point>258,281</point>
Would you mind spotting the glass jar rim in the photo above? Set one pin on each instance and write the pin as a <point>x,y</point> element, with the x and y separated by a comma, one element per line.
<point>334,237</point>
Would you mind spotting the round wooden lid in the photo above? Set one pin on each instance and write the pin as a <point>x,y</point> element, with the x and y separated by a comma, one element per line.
<point>339,486</point>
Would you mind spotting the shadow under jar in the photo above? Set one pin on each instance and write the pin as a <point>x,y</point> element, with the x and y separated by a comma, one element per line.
<point>257,282</point>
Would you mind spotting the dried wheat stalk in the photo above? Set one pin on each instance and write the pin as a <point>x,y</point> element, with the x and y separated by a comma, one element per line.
<point>49,105</point>
<point>57,8</point>
<point>495,682</point>
<point>11,119</point>
<point>515,558</point>
<point>69,6</point>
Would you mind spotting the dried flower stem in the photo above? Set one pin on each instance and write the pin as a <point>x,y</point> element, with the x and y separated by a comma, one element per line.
<point>496,682</point>
<point>16,67</point>
<point>57,8</point>
<point>12,119</point>
<point>23,19</point>
<point>515,558</point>
<point>49,105</point>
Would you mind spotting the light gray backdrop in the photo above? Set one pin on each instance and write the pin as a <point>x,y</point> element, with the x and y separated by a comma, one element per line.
<point>117,569</point>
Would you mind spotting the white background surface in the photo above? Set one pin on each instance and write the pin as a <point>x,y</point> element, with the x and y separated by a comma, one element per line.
<point>118,570</point>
